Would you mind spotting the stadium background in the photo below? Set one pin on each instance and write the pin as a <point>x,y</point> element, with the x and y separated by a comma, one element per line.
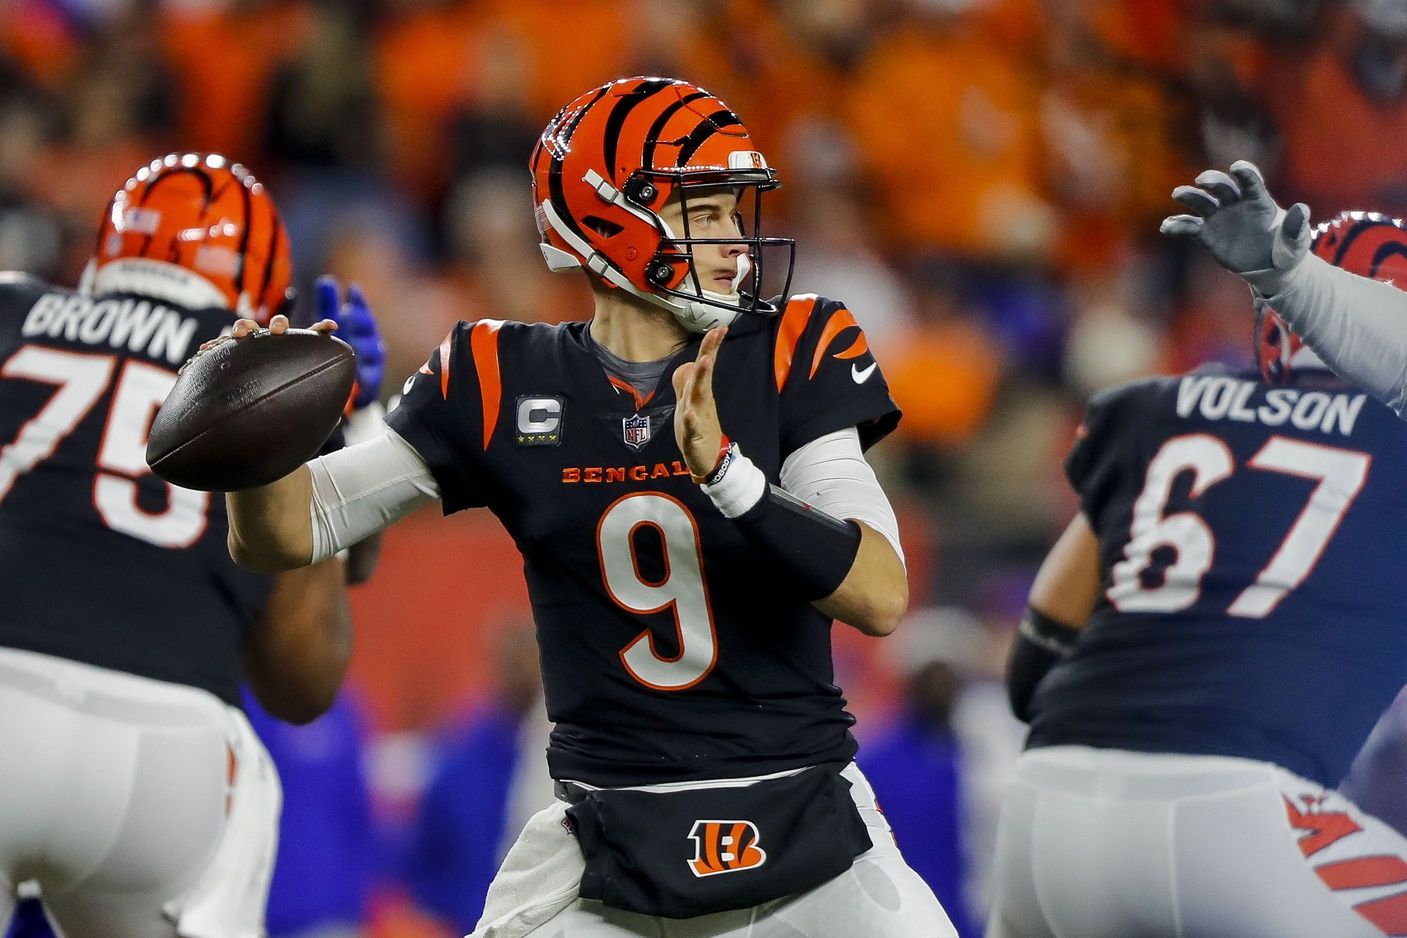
<point>980,180</point>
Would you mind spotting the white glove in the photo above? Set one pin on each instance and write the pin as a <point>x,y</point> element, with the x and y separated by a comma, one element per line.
<point>1239,223</point>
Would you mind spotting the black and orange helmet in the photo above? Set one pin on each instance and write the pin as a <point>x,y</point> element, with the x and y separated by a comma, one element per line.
<point>607,163</point>
<point>196,230</point>
<point>1363,243</point>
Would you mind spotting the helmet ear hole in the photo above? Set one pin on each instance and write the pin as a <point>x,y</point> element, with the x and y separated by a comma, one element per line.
<point>602,226</point>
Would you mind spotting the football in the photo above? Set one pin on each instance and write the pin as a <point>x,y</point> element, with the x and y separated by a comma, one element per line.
<point>248,412</point>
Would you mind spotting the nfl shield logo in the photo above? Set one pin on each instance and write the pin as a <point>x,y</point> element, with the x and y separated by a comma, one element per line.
<point>637,431</point>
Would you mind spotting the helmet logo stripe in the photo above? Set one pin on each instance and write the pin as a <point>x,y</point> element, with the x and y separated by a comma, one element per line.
<point>627,103</point>
<point>710,126</point>
<point>652,138</point>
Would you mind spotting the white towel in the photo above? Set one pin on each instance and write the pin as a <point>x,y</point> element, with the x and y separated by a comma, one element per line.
<point>540,876</point>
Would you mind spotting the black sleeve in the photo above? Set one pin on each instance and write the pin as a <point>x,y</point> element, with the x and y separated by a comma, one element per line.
<point>827,377</point>
<point>440,414</point>
<point>1101,444</point>
<point>1041,643</point>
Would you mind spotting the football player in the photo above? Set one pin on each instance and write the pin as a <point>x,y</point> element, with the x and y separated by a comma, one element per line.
<point>1206,648</point>
<point>684,476</point>
<point>135,792</point>
<point>1352,320</point>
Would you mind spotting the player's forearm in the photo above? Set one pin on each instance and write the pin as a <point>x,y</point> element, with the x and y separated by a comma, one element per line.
<point>1068,583</point>
<point>297,654</point>
<point>271,526</point>
<point>1356,325</point>
<point>874,595</point>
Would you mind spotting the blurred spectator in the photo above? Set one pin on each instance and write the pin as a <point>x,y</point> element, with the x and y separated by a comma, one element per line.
<point>1111,340</point>
<point>1345,118</point>
<point>838,258</point>
<point>30,232</point>
<point>1212,323</point>
<point>944,367</point>
<point>948,124</point>
<point>224,54</point>
<point>915,765</point>
<point>327,854</point>
<point>423,51</point>
<point>492,776</point>
<point>492,129</point>
<point>372,243</point>
<point>497,262</point>
<point>322,107</point>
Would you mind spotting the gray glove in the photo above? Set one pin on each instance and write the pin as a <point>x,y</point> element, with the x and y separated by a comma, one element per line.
<point>1238,222</point>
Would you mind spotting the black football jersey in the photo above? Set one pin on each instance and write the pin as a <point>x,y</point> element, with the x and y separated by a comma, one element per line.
<point>101,561</point>
<point>670,649</point>
<point>1252,541</point>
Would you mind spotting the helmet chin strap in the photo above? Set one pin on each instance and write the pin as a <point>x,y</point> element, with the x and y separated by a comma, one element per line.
<point>704,316</point>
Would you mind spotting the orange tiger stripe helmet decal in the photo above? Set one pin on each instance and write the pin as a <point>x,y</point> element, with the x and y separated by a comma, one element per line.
<point>196,230</point>
<point>1363,243</point>
<point>610,160</point>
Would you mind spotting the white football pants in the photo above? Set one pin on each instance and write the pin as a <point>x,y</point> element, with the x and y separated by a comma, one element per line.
<point>1100,843</point>
<point>535,893</point>
<point>137,805</point>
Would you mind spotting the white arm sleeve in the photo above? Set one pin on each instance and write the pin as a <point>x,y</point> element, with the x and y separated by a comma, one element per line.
<point>1356,325</point>
<point>359,490</point>
<point>830,473</point>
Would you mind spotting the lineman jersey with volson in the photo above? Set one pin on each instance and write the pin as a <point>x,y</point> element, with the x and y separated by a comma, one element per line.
<point>101,561</point>
<point>671,649</point>
<point>1254,604</point>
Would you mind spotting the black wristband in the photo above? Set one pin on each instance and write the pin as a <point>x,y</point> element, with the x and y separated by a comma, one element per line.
<point>1041,643</point>
<point>813,549</point>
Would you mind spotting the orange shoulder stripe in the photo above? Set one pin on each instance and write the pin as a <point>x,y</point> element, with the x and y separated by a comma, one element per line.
<point>483,342</point>
<point>838,323</point>
<point>794,319</point>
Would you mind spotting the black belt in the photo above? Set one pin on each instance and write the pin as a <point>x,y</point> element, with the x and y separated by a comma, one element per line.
<point>570,792</point>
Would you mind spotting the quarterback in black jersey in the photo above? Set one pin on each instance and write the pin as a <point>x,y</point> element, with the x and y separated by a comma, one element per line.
<point>684,477</point>
<point>133,788</point>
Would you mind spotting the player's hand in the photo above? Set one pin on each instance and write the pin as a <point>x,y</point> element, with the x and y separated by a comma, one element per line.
<point>696,427</point>
<point>1235,218</point>
<point>357,327</point>
<point>243,328</point>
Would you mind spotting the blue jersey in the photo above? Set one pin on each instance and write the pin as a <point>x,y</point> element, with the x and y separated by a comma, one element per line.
<point>101,561</point>
<point>1251,544</point>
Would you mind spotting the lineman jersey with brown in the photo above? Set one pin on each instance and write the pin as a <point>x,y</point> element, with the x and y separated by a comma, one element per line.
<point>670,648</point>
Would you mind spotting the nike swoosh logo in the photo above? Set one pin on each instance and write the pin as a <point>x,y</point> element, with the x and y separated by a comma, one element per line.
<point>861,376</point>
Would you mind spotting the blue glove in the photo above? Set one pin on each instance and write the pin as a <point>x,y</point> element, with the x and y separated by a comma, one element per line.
<point>357,327</point>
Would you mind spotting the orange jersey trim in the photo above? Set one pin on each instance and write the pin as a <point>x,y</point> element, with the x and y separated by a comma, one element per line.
<point>838,323</point>
<point>794,319</point>
<point>483,342</point>
<point>629,388</point>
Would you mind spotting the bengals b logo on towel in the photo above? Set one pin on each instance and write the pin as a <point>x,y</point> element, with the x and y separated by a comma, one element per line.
<point>725,847</point>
